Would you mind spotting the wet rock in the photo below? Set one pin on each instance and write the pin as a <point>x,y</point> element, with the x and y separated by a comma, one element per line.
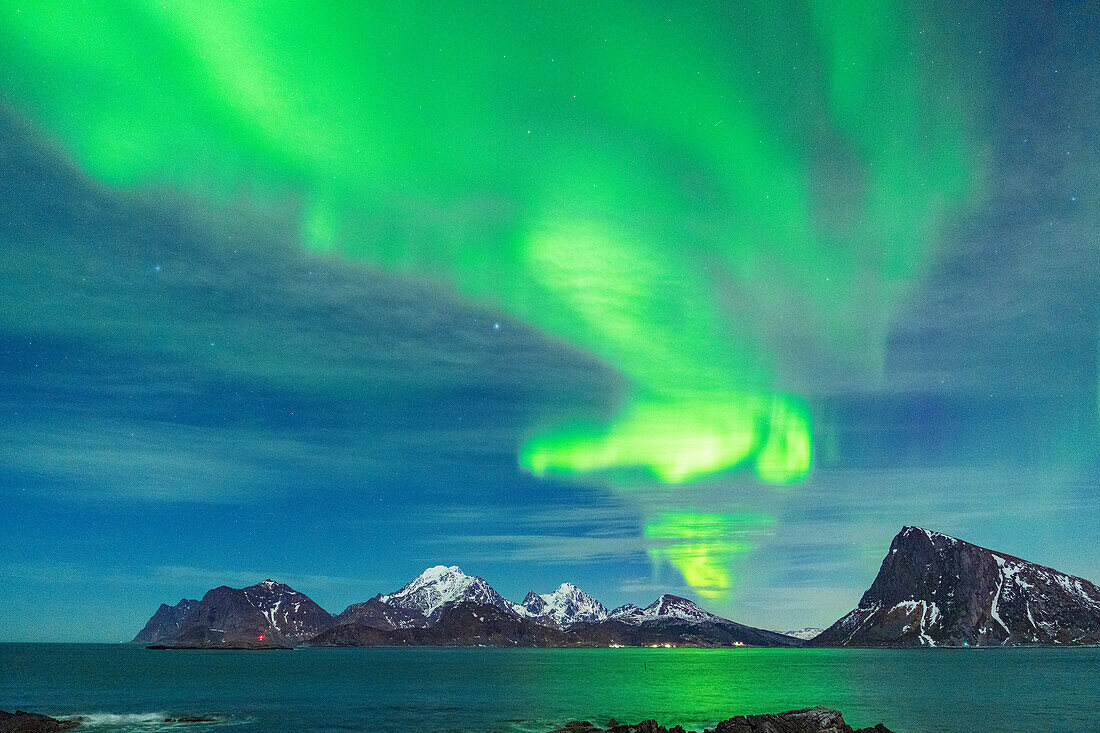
<point>808,720</point>
<point>23,722</point>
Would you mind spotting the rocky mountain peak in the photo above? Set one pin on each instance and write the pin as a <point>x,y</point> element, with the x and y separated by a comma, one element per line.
<point>440,585</point>
<point>567,605</point>
<point>669,605</point>
<point>534,605</point>
<point>934,590</point>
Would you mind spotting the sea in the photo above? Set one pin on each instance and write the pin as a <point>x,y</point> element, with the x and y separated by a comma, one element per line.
<point>467,690</point>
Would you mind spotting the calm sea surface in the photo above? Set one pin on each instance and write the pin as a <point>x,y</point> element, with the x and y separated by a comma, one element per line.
<point>125,688</point>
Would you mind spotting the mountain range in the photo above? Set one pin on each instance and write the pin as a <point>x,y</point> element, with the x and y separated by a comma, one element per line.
<point>441,606</point>
<point>931,590</point>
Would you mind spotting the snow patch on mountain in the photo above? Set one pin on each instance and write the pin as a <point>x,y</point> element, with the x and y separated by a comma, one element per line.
<point>666,607</point>
<point>281,606</point>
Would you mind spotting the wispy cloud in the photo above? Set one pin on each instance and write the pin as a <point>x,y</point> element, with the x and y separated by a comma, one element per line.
<point>548,549</point>
<point>147,461</point>
<point>182,576</point>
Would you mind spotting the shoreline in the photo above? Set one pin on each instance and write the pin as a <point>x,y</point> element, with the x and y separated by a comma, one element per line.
<point>802,720</point>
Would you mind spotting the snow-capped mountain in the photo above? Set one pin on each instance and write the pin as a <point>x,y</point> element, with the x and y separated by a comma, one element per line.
<point>476,624</point>
<point>935,590</point>
<point>436,587</point>
<point>674,620</point>
<point>567,605</point>
<point>442,606</point>
<point>804,634</point>
<point>667,606</point>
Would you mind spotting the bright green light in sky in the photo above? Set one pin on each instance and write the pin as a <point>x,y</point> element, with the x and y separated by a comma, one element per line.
<point>695,198</point>
<point>682,441</point>
<point>702,546</point>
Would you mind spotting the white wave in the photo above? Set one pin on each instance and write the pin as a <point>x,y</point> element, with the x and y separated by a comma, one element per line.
<point>139,721</point>
<point>106,719</point>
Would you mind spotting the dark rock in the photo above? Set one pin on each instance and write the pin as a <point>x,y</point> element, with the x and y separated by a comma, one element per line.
<point>646,726</point>
<point>267,614</point>
<point>166,621</point>
<point>380,615</point>
<point>23,722</point>
<point>935,590</point>
<point>808,720</point>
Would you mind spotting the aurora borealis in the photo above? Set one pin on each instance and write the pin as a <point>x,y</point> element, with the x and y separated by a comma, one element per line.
<point>692,294</point>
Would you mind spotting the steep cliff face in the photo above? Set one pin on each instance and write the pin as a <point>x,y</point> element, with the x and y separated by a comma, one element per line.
<point>166,621</point>
<point>935,590</point>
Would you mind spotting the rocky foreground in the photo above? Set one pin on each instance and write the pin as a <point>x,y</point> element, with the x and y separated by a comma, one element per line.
<point>23,722</point>
<point>808,720</point>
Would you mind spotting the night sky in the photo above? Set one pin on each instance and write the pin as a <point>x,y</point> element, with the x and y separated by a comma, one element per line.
<point>708,299</point>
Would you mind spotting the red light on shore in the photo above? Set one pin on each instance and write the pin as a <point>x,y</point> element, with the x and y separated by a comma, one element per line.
<point>261,637</point>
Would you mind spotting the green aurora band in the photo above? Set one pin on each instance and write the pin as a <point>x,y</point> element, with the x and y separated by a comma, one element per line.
<point>703,545</point>
<point>658,189</point>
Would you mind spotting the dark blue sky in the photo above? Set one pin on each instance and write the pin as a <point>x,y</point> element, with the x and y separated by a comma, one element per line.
<point>189,397</point>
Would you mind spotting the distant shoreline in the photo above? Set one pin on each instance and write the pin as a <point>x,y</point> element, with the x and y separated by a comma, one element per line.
<point>160,647</point>
<point>164,647</point>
